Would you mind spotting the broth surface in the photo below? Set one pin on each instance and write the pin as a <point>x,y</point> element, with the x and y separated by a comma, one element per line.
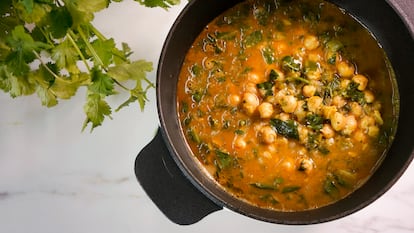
<point>288,105</point>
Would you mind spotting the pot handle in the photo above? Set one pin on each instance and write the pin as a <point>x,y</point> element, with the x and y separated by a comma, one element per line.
<point>167,186</point>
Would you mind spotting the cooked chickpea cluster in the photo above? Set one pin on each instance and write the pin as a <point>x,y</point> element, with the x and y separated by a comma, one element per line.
<point>333,93</point>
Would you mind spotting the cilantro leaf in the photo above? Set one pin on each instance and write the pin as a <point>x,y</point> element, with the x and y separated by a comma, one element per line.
<point>101,83</point>
<point>104,50</point>
<point>96,110</point>
<point>65,56</point>
<point>46,96</point>
<point>158,3</point>
<point>15,85</point>
<point>22,47</point>
<point>82,11</point>
<point>60,20</point>
<point>28,5</point>
<point>136,70</point>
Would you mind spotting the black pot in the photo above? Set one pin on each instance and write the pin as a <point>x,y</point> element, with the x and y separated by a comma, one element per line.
<point>184,204</point>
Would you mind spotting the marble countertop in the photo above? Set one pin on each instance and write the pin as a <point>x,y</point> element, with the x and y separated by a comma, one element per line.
<point>54,178</point>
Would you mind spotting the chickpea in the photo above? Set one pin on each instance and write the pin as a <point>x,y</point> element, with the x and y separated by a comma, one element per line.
<point>366,122</point>
<point>314,75</point>
<point>350,125</point>
<point>338,101</point>
<point>234,100</point>
<point>300,112</point>
<point>344,83</point>
<point>356,109</point>
<point>288,103</point>
<point>315,103</point>
<point>338,121</point>
<point>311,42</point>
<point>315,57</point>
<point>360,136</point>
<point>288,165</point>
<point>327,131</point>
<point>240,143</point>
<point>253,78</point>
<point>266,110</point>
<point>328,111</point>
<point>369,96</point>
<point>284,116</point>
<point>303,134</point>
<point>250,102</point>
<point>345,69</point>
<point>373,131</point>
<point>267,135</point>
<point>305,164</point>
<point>378,118</point>
<point>361,80</point>
<point>309,90</point>
<point>250,87</point>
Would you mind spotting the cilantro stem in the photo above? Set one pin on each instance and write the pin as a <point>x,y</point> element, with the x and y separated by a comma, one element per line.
<point>70,36</point>
<point>120,84</point>
<point>48,69</point>
<point>46,36</point>
<point>91,49</point>
<point>97,32</point>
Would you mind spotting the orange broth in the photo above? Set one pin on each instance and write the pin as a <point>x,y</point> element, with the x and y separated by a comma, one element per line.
<point>282,102</point>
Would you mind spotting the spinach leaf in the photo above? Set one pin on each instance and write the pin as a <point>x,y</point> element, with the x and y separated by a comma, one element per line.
<point>268,55</point>
<point>252,39</point>
<point>291,64</point>
<point>288,129</point>
<point>268,85</point>
<point>314,121</point>
<point>354,94</point>
<point>290,189</point>
<point>224,160</point>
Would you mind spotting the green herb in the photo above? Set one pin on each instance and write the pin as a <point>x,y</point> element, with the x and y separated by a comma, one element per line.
<point>332,48</point>
<point>314,121</point>
<point>264,186</point>
<point>268,54</point>
<point>193,136</point>
<point>290,189</point>
<point>262,12</point>
<point>226,35</point>
<point>291,64</point>
<point>268,85</point>
<point>253,39</point>
<point>224,160</point>
<point>70,53</point>
<point>354,94</point>
<point>269,186</point>
<point>288,129</point>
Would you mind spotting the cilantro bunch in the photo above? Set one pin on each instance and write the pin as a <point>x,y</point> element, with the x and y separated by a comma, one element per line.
<point>50,48</point>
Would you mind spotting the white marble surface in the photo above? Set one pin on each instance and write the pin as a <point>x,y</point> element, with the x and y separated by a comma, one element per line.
<point>53,178</point>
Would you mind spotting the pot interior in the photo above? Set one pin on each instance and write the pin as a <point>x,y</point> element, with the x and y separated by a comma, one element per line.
<point>397,43</point>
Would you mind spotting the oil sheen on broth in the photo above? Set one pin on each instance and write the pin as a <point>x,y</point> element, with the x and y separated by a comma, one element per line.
<point>288,105</point>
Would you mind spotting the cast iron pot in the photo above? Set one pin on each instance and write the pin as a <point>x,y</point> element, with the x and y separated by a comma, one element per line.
<point>390,31</point>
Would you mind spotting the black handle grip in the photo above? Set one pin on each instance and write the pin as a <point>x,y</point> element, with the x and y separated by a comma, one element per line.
<point>167,186</point>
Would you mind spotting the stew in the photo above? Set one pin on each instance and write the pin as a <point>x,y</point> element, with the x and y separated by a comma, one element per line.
<point>288,105</point>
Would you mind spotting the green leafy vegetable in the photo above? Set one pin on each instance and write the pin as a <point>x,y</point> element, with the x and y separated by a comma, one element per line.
<point>268,85</point>
<point>354,94</point>
<point>69,53</point>
<point>291,64</point>
<point>314,121</point>
<point>268,54</point>
<point>288,129</point>
<point>253,39</point>
<point>224,160</point>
